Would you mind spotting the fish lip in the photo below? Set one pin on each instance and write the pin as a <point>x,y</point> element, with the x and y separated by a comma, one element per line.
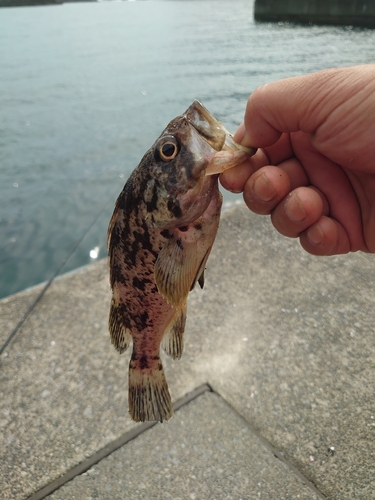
<point>230,145</point>
<point>207,126</point>
<point>225,152</point>
<point>212,130</point>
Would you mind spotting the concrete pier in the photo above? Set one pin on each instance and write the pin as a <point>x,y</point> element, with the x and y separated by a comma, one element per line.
<point>339,12</point>
<point>28,3</point>
<point>274,393</point>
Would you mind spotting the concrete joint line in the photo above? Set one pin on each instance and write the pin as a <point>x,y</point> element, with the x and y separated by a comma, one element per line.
<point>113,446</point>
<point>141,428</point>
<point>274,451</point>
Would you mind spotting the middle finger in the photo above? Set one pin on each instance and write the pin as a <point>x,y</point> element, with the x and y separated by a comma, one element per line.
<point>269,185</point>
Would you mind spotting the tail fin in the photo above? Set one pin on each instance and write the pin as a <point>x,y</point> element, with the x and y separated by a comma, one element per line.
<point>149,398</point>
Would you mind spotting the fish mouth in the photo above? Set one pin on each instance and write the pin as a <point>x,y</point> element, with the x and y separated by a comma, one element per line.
<point>228,152</point>
<point>206,125</point>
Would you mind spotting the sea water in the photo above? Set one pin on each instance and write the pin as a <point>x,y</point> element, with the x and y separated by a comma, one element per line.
<point>85,89</point>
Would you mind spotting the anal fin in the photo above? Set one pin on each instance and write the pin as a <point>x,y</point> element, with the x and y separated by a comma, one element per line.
<point>173,340</point>
<point>149,397</point>
<point>120,335</point>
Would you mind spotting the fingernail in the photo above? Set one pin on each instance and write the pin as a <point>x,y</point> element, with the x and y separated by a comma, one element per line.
<point>240,133</point>
<point>246,140</point>
<point>263,189</point>
<point>294,208</point>
<point>315,234</point>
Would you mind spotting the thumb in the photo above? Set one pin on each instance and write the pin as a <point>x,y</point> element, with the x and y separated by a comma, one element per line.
<point>294,104</point>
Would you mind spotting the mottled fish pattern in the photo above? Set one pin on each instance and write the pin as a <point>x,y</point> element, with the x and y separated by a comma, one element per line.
<point>159,238</point>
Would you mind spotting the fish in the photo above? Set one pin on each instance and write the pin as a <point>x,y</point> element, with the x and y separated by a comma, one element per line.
<point>160,235</point>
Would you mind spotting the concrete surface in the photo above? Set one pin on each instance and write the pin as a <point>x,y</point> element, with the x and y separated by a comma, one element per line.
<point>13,308</point>
<point>286,338</point>
<point>219,458</point>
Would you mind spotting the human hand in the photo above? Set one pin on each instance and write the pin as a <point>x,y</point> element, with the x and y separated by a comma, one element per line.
<point>315,171</point>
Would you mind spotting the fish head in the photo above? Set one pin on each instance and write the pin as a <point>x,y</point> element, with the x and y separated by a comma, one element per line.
<point>180,181</point>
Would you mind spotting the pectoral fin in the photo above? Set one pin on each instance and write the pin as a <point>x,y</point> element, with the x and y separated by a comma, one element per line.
<point>175,270</point>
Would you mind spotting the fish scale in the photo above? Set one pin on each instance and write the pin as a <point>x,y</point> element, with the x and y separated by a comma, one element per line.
<point>159,239</point>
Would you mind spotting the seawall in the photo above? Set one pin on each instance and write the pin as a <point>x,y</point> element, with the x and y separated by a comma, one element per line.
<point>27,3</point>
<point>340,12</point>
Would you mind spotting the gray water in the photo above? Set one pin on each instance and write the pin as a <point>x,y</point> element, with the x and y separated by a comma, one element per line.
<point>85,89</point>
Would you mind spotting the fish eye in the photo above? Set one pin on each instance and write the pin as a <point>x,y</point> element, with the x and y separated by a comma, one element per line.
<point>168,149</point>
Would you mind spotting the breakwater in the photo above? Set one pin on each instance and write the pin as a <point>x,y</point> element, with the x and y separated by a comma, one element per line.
<point>340,12</point>
<point>27,3</point>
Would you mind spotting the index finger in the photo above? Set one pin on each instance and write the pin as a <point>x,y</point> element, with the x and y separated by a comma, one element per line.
<point>234,179</point>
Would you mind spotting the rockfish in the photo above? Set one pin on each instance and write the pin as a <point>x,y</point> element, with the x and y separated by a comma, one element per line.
<point>159,239</point>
